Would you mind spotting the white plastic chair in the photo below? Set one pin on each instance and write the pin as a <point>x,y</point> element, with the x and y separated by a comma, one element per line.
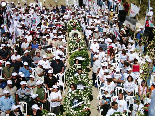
<point>130,100</point>
<point>117,89</point>
<point>22,106</point>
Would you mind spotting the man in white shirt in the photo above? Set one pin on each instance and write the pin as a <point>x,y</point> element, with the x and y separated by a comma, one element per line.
<point>132,56</point>
<point>112,110</point>
<point>25,45</point>
<point>122,104</point>
<point>96,68</point>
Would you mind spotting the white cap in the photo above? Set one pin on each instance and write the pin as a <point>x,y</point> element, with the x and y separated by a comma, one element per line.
<point>13,58</point>
<point>18,57</point>
<point>108,77</point>
<point>61,46</point>
<point>50,71</point>
<point>32,76</point>
<point>57,57</point>
<point>95,39</point>
<point>35,106</point>
<point>44,56</point>
<point>129,69</point>
<point>132,49</point>
<point>14,107</point>
<point>39,82</point>
<point>34,96</point>
<point>23,83</point>
<point>8,45</point>
<point>117,70</point>
<point>26,51</point>
<point>55,86</point>
<point>8,62</point>
<point>48,49</point>
<point>14,74</point>
<point>6,91</point>
<point>2,45</point>
<point>9,82</point>
<point>106,70</point>
<point>25,63</point>
<point>21,74</point>
<point>96,56</point>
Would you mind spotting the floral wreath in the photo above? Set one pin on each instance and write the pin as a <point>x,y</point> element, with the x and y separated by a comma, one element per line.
<point>75,32</point>
<point>82,108</point>
<point>70,25</point>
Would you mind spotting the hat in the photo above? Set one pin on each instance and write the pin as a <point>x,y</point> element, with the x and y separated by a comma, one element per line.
<point>61,46</point>
<point>9,82</point>
<point>131,50</point>
<point>21,74</point>
<point>57,57</point>
<point>25,63</point>
<point>117,70</point>
<point>44,56</point>
<point>26,51</point>
<point>14,107</point>
<point>131,41</point>
<point>106,70</point>
<point>23,83</point>
<point>6,91</point>
<point>35,106</point>
<point>18,57</point>
<point>96,56</point>
<point>32,76</point>
<point>55,86</point>
<point>48,49</point>
<point>8,45</point>
<point>95,39</point>
<point>34,96</point>
<point>8,62</point>
<point>50,71</point>
<point>108,77</point>
<point>13,58</point>
<point>39,82</point>
<point>14,74</point>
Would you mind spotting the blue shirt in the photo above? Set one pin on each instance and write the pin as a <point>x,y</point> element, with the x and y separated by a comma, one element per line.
<point>138,36</point>
<point>25,71</point>
<point>34,46</point>
<point>6,104</point>
<point>3,85</point>
<point>106,100</point>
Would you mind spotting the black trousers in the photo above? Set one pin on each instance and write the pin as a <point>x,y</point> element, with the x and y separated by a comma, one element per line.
<point>94,78</point>
<point>105,109</point>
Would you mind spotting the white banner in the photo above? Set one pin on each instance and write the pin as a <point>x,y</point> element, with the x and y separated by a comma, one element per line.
<point>134,10</point>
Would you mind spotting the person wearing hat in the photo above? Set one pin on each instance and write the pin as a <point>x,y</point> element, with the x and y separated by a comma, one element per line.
<point>26,70</point>
<point>31,84</point>
<point>23,93</point>
<point>59,42</point>
<point>49,54</point>
<point>42,52</point>
<point>16,64</point>
<point>96,67</point>
<point>12,89</point>
<point>34,100</point>
<point>50,80</point>
<point>24,44</point>
<point>6,102</point>
<point>15,111</point>
<point>8,70</point>
<point>2,83</point>
<point>37,57</point>
<point>55,100</point>
<point>27,58</point>
<point>55,39</point>
<point>131,56</point>
<point>57,65</point>
<point>93,47</point>
<point>36,110</point>
<point>129,72</point>
<point>40,71</point>
<point>40,91</point>
<point>4,54</point>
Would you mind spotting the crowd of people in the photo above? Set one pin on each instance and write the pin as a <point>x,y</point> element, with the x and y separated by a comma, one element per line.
<point>33,53</point>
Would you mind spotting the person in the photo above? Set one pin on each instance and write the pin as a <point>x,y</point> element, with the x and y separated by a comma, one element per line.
<point>129,86</point>
<point>37,58</point>
<point>2,83</point>
<point>36,110</point>
<point>15,111</point>
<point>122,104</point>
<point>135,66</point>
<point>8,70</point>
<point>26,70</point>
<point>50,80</point>
<point>12,89</point>
<point>4,54</point>
<point>23,93</point>
<point>16,80</point>
<point>55,99</point>
<point>142,90</point>
<point>40,71</point>
<point>6,102</point>
<point>27,58</point>
<point>57,65</point>
<point>16,64</point>
<point>40,91</point>
<point>31,84</point>
<point>123,57</point>
<point>126,7</point>
<point>96,67</point>
<point>113,109</point>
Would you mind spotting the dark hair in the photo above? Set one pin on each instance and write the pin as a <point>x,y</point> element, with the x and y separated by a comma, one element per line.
<point>131,78</point>
<point>135,60</point>
<point>113,103</point>
<point>124,51</point>
<point>74,85</point>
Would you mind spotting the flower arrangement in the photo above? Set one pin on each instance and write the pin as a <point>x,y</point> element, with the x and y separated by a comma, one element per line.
<point>73,23</point>
<point>73,32</point>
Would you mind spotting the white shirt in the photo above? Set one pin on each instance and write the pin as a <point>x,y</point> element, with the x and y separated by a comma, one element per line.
<point>140,108</point>
<point>25,45</point>
<point>110,112</point>
<point>109,87</point>
<point>54,95</point>
<point>122,105</point>
<point>46,64</point>
<point>101,55</point>
<point>129,86</point>
<point>94,47</point>
<point>96,66</point>
<point>132,56</point>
